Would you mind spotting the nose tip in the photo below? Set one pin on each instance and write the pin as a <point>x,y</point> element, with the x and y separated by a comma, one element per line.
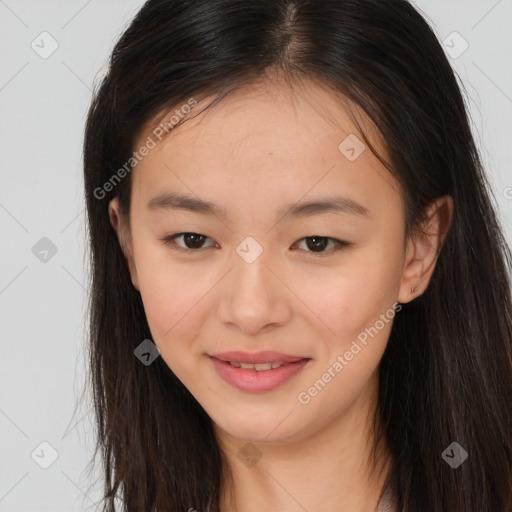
<point>253,298</point>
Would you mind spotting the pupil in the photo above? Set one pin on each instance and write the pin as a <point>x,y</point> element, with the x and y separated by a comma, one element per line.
<point>196,240</point>
<point>315,244</point>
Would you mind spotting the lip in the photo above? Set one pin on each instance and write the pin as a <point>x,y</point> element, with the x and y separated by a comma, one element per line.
<point>254,381</point>
<point>266,356</point>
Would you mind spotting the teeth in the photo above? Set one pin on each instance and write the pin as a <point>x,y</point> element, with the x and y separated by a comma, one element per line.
<point>247,366</point>
<point>261,367</point>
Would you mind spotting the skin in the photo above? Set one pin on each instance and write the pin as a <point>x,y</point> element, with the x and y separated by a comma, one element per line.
<point>291,298</point>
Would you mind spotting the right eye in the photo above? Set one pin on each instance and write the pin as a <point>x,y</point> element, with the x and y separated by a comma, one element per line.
<point>192,241</point>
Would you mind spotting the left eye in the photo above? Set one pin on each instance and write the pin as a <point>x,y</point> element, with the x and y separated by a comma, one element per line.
<point>319,243</point>
<point>315,244</point>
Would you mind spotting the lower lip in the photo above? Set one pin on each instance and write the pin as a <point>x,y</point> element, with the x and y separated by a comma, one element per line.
<point>254,381</point>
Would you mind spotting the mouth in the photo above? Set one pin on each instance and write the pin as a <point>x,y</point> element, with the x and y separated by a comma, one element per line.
<point>257,358</point>
<point>257,372</point>
<point>261,367</point>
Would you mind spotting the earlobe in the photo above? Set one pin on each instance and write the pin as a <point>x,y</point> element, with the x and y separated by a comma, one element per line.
<point>118,223</point>
<point>423,248</point>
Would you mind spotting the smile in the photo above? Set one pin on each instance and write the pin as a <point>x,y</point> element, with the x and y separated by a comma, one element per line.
<point>262,367</point>
<point>257,377</point>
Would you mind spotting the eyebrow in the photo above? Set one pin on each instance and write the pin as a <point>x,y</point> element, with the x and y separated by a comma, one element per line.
<point>337,204</point>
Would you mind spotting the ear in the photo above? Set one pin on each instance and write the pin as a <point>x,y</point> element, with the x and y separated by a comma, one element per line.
<point>423,248</point>
<point>118,222</point>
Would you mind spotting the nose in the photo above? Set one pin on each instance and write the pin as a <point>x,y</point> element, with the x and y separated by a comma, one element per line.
<point>254,297</point>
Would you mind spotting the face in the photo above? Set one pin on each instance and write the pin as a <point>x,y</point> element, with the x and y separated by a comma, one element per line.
<point>317,283</point>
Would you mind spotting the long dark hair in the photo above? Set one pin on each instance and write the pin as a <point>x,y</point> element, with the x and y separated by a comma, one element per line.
<point>446,374</point>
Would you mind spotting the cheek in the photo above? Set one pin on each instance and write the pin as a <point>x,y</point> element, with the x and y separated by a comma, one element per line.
<point>358,307</point>
<point>175,314</point>
<point>352,298</point>
<point>174,302</point>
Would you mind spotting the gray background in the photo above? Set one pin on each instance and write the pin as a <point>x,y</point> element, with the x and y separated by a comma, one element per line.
<point>43,103</point>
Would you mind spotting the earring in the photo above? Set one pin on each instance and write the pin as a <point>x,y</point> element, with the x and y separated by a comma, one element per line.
<point>413,290</point>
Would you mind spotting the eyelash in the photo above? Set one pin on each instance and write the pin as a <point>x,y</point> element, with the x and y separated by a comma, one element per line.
<point>169,241</point>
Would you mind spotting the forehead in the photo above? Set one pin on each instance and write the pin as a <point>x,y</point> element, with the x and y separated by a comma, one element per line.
<point>268,139</point>
<point>307,110</point>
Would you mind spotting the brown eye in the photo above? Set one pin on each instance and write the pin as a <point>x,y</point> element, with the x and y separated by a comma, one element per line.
<point>191,241</point>
<point>317,244</point>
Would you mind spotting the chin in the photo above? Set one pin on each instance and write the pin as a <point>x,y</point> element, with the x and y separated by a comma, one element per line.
<point>258,432</point>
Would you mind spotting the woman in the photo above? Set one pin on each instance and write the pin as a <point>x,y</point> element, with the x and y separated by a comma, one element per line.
<point>296,266</point>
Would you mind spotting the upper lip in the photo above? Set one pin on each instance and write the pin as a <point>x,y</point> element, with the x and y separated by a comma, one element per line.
<point>266,356</point>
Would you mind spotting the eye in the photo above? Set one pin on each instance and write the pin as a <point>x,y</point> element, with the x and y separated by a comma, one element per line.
<point>317,244</point>
<point>192,241</point>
